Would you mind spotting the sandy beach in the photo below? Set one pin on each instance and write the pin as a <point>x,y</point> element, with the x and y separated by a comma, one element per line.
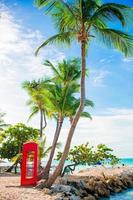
<point>10,188</point>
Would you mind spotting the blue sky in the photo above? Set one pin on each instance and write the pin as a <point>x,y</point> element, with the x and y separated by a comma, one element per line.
<point>110,84</point>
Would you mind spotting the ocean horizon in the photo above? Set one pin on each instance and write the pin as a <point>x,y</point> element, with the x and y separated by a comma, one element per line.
<point>123,161</point>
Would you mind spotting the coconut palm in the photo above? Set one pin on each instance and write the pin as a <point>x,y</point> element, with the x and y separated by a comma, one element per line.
<point>60,99</point>
<point>62,108</point>
<point>38,101</point>
<point>63,85</point>
<point>62,102</point>
<point>66,71</point>
<point>84,21</point>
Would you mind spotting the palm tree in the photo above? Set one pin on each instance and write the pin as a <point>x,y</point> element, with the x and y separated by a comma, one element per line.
<point>38,101</point>
<point>83,21</point>
<point>66,71</point>
<point>62,108</point>
<point>60,99</point>
<point>66,74</point>
<point>62,102</point>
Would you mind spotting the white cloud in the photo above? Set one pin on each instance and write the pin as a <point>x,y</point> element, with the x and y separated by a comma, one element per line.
<point>113,129</point>
<point>102,60</point>
<point>128,59</point>
<point>106,60</point>
<point>117,111</point>
<point>18,63</point>
<point>98,77</point>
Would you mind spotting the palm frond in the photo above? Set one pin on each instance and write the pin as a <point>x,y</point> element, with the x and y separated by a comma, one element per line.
<point>34,112</point>
<point>111,11</point>
<point>64,37</point>
<point>49,64</point>
<point>43,3</point>
<point>86,115</point>
<point>116,39</point>
<point>89,103</point>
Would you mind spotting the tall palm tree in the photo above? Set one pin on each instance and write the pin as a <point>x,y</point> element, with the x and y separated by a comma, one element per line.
<point>60,99</point>
<point>65,74</point>
<point>83,21</point>
<point>62,102</point>
<point>37,101</point>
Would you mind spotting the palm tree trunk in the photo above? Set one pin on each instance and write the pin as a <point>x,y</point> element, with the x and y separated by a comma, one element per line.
<point>45,173</point>
<point>59,168</point>
<point>41,123</point>
<point>45,121</point>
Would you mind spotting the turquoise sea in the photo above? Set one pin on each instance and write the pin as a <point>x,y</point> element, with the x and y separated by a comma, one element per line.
<point>126,195</point>
<point>123,161</point>
<point>127,161</point>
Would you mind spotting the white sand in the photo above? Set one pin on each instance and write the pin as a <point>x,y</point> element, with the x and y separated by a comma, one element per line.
<point>10,190</point>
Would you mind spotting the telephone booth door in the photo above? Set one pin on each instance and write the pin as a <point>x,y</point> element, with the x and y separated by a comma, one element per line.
<point>29,166</point>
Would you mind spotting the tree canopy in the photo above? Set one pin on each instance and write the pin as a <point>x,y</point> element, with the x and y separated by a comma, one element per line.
<point>14,137</point>
<point>85,154</point>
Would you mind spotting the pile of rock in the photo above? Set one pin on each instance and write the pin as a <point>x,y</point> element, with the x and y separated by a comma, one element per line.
<point>91,187</point>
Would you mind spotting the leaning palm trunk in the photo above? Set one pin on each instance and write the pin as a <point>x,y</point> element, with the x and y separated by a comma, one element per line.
<point>59,168</point>
<point>45,173</point>
<point>45,121</point>
<point>41,123</point>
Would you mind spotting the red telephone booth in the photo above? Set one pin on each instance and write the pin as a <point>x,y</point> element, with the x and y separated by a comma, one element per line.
<point>29,166</point>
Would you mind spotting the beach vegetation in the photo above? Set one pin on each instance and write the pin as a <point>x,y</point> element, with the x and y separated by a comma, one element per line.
<point>87,155</point>
<point>13,139</point>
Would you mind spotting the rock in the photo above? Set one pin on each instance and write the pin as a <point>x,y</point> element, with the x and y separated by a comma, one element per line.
<point>90,184</point>
<point>92,187</point>
<point>67,196</point>
<point>61,188</point>
<point>83,193</point>
<point>78,188</point>
<point>117,190</point>
<point>130,183</point>
<point>101,189</point>
<point>61,198</point>
<point>103,192</point>
<point>89,197</point>
<point>73,197</point>
<point>47,191</point>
